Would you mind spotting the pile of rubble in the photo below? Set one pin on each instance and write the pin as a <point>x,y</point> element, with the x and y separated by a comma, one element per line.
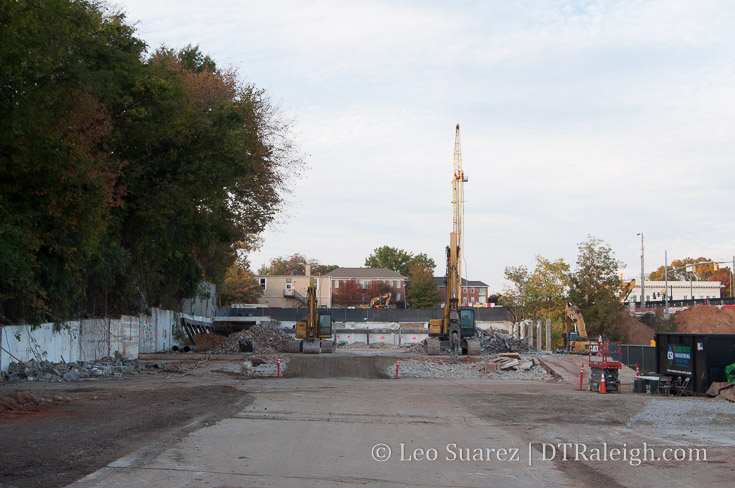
<point>47,371</point>
<point>441,368</point>
<point>494,344</point>
<point>510,361</point>
<point>264,338</point>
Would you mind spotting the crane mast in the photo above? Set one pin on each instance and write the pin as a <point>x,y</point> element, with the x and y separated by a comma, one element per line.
<point>458,180</point>
<point>456,329</point>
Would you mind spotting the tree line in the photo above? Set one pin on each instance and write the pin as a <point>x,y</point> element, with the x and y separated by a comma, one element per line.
<point>127,177</point>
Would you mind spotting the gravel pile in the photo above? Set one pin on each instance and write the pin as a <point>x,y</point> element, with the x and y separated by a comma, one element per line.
<point>430,368</point>
<point>266,338</point>
<point>47,371</point>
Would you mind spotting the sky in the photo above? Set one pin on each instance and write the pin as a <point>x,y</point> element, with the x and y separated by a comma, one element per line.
<point>577,118</point>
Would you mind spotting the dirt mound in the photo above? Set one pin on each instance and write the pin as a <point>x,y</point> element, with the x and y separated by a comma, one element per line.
<point>266,337</point>
<point>635,331</point>
<point>205,342</point>
<point>705,319</point>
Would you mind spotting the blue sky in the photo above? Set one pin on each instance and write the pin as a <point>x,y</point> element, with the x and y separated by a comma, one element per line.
<point>602,118</point>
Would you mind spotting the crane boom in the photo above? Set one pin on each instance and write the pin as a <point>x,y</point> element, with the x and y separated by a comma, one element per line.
<point>458,180</point>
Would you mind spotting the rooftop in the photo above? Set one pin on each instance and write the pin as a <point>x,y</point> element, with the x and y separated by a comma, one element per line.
<point>377,273</point>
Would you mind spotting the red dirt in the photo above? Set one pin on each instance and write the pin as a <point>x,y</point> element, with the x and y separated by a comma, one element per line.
<point>205,342</point>
<point>705,319</point>
<point>636,331</point>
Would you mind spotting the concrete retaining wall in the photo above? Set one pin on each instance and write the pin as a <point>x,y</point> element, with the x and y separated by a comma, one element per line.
<point>91,339</point>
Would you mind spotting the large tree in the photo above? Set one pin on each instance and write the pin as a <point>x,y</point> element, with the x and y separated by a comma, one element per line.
<point>396,259</point>
<point>595,287</point>
<point>65,68</point>
<point>547,289</point>
<point>125,180</point>
<point>422,291</point>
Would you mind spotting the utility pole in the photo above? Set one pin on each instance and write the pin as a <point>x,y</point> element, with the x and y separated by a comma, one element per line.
<point>666,272</point>
<point>643,277</point>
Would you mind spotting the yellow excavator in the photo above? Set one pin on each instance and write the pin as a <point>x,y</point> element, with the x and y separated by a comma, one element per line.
<point>312,336</point>
<point>625,290</point>
<point>575,335</point>
<point>456,329</point>
<point>382,301</point>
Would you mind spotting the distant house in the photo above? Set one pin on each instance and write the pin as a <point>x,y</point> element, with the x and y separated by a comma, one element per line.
<point>289,291</point>
<point>367,276</point>
<point>474,293</point>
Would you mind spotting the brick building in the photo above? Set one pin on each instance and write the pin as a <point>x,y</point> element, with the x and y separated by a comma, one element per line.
<point>474,293</point>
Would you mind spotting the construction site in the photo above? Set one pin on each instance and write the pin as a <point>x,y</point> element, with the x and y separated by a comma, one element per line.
<point>456,396</point>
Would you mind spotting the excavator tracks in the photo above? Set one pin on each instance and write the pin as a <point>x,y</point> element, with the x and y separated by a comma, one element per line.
<point>310,347</point>
<point>473,347</point>
<point>433,346</point>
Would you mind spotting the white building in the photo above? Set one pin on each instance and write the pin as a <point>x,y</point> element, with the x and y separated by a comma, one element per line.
<point>678,290</point>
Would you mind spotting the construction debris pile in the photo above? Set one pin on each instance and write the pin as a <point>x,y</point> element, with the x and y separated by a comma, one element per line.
<point>494,344</point>
<point>265,338</point>
<point>47,371</point>
<point>504,368</point>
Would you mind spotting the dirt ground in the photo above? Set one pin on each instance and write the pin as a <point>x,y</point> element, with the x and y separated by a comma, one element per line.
<point>200,422</point>
<point>53,434</point>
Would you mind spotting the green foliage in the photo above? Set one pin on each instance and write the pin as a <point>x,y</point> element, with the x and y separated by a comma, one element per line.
<point>295,265</point>
<point>595,287</point>
<point>546,291</point>
<point>124,181</point>
<point>240,285</point>
<point>397,260</point>
<point>513,297</point>
<point>64,66</point>
<point>422,292</point>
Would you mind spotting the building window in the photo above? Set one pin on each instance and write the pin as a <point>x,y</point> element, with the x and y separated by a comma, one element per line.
<point>336,284</point>
<point>685,297</point>
<point>472,290</point>
<point>481,300</point>
<point>262,283</point>
<point>472,300</point>
<point>464,290</point>
<point>482,291</point>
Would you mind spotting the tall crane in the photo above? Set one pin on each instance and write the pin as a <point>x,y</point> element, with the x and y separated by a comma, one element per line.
<point>456,329</point>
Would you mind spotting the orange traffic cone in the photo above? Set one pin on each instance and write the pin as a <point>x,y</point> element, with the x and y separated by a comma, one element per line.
<point>637,371</point>
<point>603,389</point>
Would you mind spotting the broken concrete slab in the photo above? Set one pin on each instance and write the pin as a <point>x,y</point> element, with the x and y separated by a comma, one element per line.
<point>510,364</point>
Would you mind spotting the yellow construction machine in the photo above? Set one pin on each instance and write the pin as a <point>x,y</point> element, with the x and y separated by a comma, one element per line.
<point>312,336</point>
<point>456,329</point>
<point>382,301</point>
<point>575,335</point>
